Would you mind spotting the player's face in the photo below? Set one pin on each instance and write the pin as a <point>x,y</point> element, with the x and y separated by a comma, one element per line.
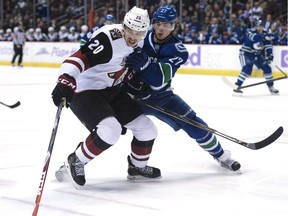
<point>162,29</point>
<point>133,37</point>
<point>259,29</point>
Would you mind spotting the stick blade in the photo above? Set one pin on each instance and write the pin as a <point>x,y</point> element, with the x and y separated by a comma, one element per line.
<point>269,140</point>
<point>15,105</point>
<point>228,83</point>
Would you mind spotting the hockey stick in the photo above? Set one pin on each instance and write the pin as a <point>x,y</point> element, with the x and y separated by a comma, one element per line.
<point>280,70</point>
<point>254,146</point>
<point>234,86</point>
<point>11,106</point>
<point>47,159</point>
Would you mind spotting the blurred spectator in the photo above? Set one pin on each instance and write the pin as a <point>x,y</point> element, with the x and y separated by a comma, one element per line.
<point>106,20</point>
<point>63,34</point>
<point>84,30</point>
<point>73,36</point>
<point>240,30</point>
<point>39,35</point>
<point>283,36</point>
<point>231,37</point>
<point>256,12</point>
<point>268,22</point>
<point>215,37</point>
<point>8,34</point>
<point>2,37</point>
<point>52,34</point>
<point>30,35</point>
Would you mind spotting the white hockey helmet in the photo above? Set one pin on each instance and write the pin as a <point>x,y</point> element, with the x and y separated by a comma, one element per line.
<point>16,29</point>
<point>8,30</point>
<point>63,28</point>
<point>50,29</point>
<point>84,28</point>
<point>137,19</point>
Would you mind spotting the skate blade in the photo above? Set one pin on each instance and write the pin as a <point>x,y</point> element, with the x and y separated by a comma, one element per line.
<point>238,172</point>
<point>142,178</point>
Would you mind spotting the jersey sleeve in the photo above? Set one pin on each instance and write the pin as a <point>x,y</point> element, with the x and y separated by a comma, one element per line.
<point>163,70</point>
<point>98,50</point>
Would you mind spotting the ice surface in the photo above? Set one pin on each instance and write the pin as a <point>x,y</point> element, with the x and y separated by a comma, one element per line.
<point>192,183</point>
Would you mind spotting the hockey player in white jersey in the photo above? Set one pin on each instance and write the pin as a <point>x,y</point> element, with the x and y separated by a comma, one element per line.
<point>88,82</point>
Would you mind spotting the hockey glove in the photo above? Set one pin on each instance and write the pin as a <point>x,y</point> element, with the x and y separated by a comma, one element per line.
<point>137,60</point>
<point>270,58</point>
<point>65,88</point>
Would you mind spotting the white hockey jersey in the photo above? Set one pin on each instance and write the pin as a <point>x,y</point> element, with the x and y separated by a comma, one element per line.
<point>99,63</point>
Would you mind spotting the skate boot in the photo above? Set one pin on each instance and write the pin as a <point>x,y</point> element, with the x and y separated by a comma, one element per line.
<point>76,171</point>
<point>61,174</point>
<point>146,172</point>
<point>237,90</point>
<point>227,162</point>
<point>273,90</point>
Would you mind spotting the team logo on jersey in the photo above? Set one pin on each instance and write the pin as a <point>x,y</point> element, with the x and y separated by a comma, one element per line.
<point>115,34</point>
<point>180,47</point>
<point>118,76</point>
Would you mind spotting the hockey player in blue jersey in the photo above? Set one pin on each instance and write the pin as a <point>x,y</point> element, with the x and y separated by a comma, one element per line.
<point>108,20</point>
<point>154,67</point>
<point>256,50</point>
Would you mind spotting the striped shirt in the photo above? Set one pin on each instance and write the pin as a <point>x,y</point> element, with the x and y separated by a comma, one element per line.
<point>19,38</point>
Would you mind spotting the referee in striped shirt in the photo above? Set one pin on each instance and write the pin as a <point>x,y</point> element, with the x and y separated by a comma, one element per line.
<point>18,44</point>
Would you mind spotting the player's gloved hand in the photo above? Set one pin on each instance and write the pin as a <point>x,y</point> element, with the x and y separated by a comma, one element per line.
<point>133,81</point>
<point>137,60</point>
<point>270,58</point>
<point>65,88</point>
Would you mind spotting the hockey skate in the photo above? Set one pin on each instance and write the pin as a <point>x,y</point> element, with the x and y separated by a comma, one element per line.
<point>146,172</point>
<point>227,162</point>
<point>237,91</point>
<point>273,90</point>
<point>61,174</point>
<point>75,168</point>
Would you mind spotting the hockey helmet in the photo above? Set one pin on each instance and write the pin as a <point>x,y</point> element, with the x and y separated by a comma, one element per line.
<point>259,23</point>
<point>165,13</point>
<point>109,17</point>
<point>137,19</point>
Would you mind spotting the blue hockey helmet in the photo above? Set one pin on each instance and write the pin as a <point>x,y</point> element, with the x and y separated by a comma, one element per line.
<point>259,23</point>
<point>165,13</point>
<point>109,17</point>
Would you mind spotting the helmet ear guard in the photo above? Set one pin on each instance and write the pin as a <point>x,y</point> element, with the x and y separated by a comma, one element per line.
<point>137,19</point>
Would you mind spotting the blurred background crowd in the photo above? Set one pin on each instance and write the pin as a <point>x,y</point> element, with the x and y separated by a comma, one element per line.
<point>200,21</point>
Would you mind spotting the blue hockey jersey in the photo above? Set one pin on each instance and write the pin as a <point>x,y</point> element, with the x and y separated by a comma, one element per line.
<point>257,43</point>
<point>165,59</point>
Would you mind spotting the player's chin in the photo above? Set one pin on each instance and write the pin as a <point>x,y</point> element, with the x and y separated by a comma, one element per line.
<point>132,43</point>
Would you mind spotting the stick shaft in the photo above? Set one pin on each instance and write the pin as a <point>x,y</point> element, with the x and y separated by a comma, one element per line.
<point>47,160</point>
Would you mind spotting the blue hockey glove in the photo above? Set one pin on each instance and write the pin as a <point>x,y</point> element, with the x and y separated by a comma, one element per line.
<point>65,88</point>
<point>137,60</point>
<point>270,58</point>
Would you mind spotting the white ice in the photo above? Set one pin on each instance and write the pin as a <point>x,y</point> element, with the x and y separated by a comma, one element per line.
<point>192,183</point>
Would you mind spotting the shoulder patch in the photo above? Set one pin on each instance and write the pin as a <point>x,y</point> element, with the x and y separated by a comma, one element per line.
<point>180,47</point>
<point>115,34</point>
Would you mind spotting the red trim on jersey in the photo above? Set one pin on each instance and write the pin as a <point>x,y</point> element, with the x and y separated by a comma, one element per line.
<point>74,63</point>
<point>83,58</point>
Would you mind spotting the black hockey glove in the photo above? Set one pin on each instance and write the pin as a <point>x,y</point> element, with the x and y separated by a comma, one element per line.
<point>65,88</point>
<point>137,60</point>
